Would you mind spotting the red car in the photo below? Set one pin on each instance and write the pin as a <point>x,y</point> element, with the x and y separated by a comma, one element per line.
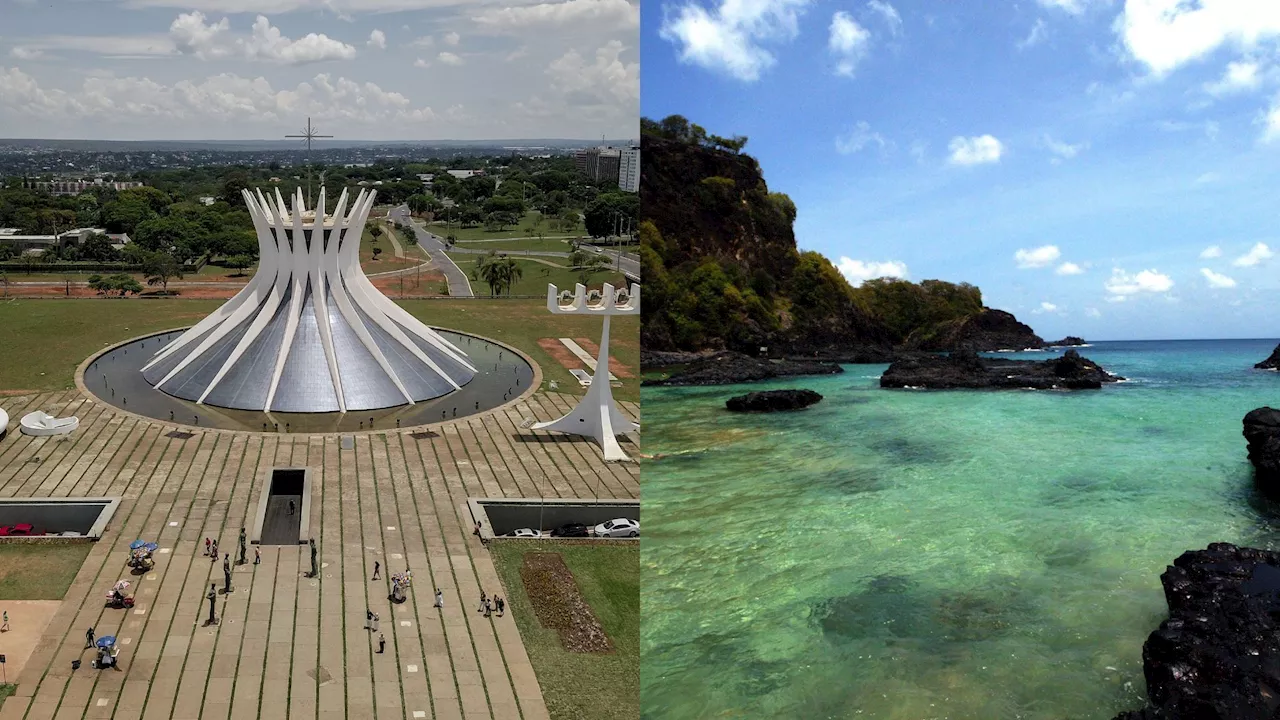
<point>21,529</point>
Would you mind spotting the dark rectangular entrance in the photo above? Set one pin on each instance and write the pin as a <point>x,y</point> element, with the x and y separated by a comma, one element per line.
<point>282,523</point>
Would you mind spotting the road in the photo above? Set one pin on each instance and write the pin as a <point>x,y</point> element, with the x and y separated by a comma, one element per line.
<point>434,246</point>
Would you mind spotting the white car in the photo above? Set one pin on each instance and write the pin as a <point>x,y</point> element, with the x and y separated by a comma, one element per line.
<point>619,527</point>
<point>527,533</point>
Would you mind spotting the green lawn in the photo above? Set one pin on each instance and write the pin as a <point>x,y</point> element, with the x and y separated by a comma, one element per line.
<point>39,571</point>
<point>545,244</point>
<point>583,685</point>
<point>537,274</point>
<point>531,220</point>
<point>86,326</point>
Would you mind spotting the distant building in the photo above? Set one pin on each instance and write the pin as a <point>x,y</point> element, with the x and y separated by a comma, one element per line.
<point>208,200</point>
<point>629,170</point>
<point>600,164</point>
<point>68,238</point>
<point>464,174</point>
<point>75,187</point>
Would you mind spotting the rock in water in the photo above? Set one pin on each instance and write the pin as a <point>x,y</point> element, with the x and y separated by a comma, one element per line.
<point>1262,431</point>
<point>729,368</point>
<point>773,401</point>
<point>1271,363</point>
<point>966,369</point>
<point>1217,657</point>
<point>1068,341</point>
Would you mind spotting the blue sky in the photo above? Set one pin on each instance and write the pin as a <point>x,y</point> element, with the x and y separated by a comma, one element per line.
<point>1105,168</point>
<point>363,69</point>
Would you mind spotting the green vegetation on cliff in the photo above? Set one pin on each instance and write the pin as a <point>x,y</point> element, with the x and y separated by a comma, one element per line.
<point>721,266</point>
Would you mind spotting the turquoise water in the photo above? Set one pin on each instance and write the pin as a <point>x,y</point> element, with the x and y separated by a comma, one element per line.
<point>908,554</point>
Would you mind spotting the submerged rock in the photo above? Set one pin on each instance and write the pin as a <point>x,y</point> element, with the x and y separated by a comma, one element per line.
<point>966,369</point>
<point>773,401</point>
<point>1217,657</point>
<point>1262,432</point>
<point>729,368</point>
<point>1271,363</point>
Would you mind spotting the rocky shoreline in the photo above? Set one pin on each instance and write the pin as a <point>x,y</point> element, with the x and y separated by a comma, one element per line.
<point>1271,363</point>
<point>727,368</point>
<point>1218,655</point>
<point>965,369</point>
<point>1262,432</point>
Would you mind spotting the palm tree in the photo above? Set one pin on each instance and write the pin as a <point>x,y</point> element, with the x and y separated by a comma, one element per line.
<point>490,271</point>
<point>511,272</point>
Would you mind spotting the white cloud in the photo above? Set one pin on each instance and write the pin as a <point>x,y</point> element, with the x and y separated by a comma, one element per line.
<point>1212,251</point>
<point>1209,177</point>
<point>918,149</point>
<point>1045,307</point>
<point>1092,312</point>
<point>1074,7</point>
<point>889,13</point>
<point>1239,77</point>
<point>191,35</point>
<point>1217,280</point>
<point>1271,122</point>
<point>615,14</point>
<point>449,58</point>
<point>517,53</point>
<point>729,38</point>
<point>1122,285</point>
<point>858,138</point>
<point>420,63</point>
<point>847,42</point>
<point>975,150</point>
<point>858,271</point>
<point>342,9</point>
<point>1256,255</point>
<point>1069,268</point>
<point>424,41</point>
<point>603,82</point>
<point>1165,34</point>
<point>224,98</point>
<point>1063,150</point>
<point>451,38</point>
<point>25,53</point>
<point>405,27</point>
<point>1038,33</point>
<point>1042,256</point>
<point>378,39</point>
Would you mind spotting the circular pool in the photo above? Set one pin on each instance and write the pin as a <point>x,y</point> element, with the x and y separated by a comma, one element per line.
<point>115,377</point>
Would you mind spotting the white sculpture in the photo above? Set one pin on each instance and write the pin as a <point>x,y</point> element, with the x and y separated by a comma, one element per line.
<point>597,416</point>
<point>41,423</point>
<point>309,333</point>
<point>4,422</point>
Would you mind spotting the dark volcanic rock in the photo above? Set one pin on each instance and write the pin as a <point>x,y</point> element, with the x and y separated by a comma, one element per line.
<point>1271,363</point>
<point>1217,657</point>
<point>728,368</point>
<point>987,331</point>
<point>773,401</point>
<point>966,369</point>
<point>1068,341</point>
<point>1262,431</point>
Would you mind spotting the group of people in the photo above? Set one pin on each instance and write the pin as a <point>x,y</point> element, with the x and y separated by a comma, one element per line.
<point>491,605</point>
<point>211,549</point>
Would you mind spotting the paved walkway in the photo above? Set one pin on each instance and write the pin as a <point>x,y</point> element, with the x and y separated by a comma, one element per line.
<point>289,647</point>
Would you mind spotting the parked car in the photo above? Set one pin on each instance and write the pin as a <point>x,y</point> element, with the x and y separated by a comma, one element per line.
<point>571,530</point>
<point>19,530</point>
<point>527,533</point>
<point>619,527</point>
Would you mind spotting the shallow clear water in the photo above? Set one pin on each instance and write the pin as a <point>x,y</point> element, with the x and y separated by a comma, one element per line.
<point>909,554</point>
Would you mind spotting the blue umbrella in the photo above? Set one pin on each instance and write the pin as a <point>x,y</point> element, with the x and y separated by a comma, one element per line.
<point>151,547</point>
<point>137,544</point>
<point>106,641</point>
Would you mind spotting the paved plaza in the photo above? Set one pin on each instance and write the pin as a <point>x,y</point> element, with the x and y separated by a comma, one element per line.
<point>288,646</point>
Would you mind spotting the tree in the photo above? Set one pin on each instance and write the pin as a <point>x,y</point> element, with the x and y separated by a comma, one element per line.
<point>499,272</point>
<point>120,282</point>
<point>587,264</point>
<point>611,213</point>
<point>158,200</point>
<point>124,216</point>
<point>98,247</point>
<point>375,232</point>
<point>471,215</point>
<point>160,267</point>
<point>232,183</point>
<point>239,262</point>
<point>376,252</point>
<point>498,221</point>
<point>182,238</point>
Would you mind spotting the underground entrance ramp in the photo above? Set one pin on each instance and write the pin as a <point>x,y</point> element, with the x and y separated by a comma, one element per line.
<point>284,507</point>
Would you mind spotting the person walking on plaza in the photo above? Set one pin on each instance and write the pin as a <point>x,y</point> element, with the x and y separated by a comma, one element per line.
<point>502,607</point>
<point>4,624</point>
<point>488,608</point>
<point>483,599</point>
<point>368,619</point>
<point>382,643</point>
<point>439,599</point>
<point>242,546</point>
<point>213,551</point>
<point>88,638</point>
<point>292,507</point>
<point>257,555</point>
<point>377,568</point>
<point>373,623</point>
<point>314,570</point>
<point>213,598</point>
<point>207,542</point>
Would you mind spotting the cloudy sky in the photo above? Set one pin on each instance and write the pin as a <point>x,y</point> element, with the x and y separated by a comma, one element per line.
<point>362,69</point>
<point>1105,168</point>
